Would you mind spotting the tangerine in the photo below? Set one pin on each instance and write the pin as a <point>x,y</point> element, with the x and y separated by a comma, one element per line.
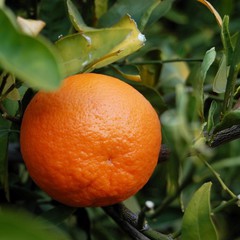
<point>93,142</point>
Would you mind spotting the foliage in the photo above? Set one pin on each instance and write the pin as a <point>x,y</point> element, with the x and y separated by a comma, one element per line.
<point>184,56</point>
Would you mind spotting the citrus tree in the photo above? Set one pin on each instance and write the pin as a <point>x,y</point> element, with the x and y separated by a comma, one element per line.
<point>182,56</point>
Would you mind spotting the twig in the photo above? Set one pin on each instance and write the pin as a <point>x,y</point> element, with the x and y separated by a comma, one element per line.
<point>224,136</point>
<point>164,153</point>
<point>125,219</point>
<point>129,223</point>
<point>217,175</point>
<point>230,202</point>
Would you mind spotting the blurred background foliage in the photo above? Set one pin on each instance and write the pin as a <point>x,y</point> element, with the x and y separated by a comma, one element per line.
<point>182,38</point>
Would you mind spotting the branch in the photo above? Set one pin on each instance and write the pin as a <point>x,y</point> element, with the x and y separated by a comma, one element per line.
<point>126,219</point>
<point>224,136</point>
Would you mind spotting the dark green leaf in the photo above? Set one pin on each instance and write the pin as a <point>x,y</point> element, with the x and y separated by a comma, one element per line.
<point>57,22</point>
<point>147,14</point>
<point>226,40</point>
<point>232,77</point>
<point>198,77</point>
<point>36,61</point>
<point>230,119</point>
<point>197,223</point>
<point>21,226</point>
<point>141,11</point>
<point>76,18</point>
<point>231,162</point>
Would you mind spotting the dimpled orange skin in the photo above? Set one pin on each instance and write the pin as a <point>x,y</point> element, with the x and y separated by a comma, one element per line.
<point>94,142</point>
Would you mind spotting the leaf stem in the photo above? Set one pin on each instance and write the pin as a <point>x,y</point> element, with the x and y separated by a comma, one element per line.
<point>225,204</point>
<point>217,175</point>
<point>129,222</point>
<point>165,61</point>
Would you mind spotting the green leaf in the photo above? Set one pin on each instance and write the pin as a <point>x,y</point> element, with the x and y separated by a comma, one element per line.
<point>211,114</point>
<point>36,61</point>
<point>128,72</point>
<point>226,40</point>
<point>57,22</point>
<point>147,14</point>
<point>220,80</point>
<point>198,78</point>
<point>94,52</point>
<point>150,73</point>
<point>100,7</point>
<point>231,162</point>
<point>141,11</point>
<point>176,127</point>
<point>10,81</point>
<point>207,62</point>
<point>197,223</point>
<point>232,77</point>
<point>76,18</point>
<point>231,118</point>
<point>21,226</point>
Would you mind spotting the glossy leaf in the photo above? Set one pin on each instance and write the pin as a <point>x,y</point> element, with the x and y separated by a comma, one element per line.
<point>197,223</point>
<point>36,62</point>
<point>83,52</point>
<point>21,226</point>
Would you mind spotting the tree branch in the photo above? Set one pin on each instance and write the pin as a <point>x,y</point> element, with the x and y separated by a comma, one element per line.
<point>126,219</point>
<point>224,136</point>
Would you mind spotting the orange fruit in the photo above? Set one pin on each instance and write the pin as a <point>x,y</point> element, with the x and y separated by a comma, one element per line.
<point>93,142</point>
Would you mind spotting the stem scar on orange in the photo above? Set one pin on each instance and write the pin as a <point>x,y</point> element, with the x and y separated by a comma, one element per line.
<point>93,142</point>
